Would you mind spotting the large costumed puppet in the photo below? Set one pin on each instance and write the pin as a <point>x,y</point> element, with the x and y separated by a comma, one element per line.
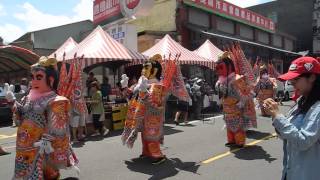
<point>146,110</point>
<point>235,87</point>
<point>43,141</point>
<point>266,85</point>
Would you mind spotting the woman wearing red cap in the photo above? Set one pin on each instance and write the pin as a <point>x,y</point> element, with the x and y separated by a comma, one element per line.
<point>300,129</point>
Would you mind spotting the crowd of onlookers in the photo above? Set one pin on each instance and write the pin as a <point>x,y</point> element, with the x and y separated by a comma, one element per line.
<point>203,98</point>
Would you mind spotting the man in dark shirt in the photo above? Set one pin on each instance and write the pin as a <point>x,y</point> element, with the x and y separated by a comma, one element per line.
<point>105,88</point>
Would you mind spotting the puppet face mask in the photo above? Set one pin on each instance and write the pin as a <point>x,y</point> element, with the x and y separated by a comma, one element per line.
<point>39,82</point>
<point>222,70</point>
<point>148,71</point>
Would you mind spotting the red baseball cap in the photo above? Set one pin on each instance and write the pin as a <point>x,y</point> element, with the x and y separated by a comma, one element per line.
<point>300,66</point>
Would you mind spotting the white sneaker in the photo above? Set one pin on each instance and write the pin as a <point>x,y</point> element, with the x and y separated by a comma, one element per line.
<point>104,132</point>
<point>95,134</point>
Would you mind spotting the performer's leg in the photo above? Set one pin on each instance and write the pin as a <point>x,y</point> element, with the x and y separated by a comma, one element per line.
<point>240,137</point>
<point>152,149</point>
<point>145,151</point>
<point>176,119</point>
<point>81,135</point>
<point>74,134</point>
<point>231,138</point>
<point>186,117</point>
<point>51,173</point>
<point>155,152</point>
<point>96,122</point>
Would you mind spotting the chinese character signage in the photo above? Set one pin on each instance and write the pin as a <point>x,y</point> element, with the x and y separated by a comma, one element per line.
<point>105,9</point>
<point>234,12</point>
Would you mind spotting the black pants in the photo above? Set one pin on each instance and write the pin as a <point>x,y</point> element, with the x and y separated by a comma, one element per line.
<point>96,123</point>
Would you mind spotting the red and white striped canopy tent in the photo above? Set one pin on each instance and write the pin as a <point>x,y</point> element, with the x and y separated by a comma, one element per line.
<point>209,51</point>
<point>168,46</point>
<point>66,48</point>
<point>99,47</point>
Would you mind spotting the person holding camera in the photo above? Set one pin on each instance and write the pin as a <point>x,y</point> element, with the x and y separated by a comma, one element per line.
<point>300,129</point>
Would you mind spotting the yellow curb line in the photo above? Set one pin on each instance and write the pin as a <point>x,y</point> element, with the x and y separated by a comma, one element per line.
<point>9,147</point>
<point>235,150</point>
<point>7,136</point>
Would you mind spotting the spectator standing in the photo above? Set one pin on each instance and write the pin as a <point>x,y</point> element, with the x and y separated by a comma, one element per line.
<point>183,106</point>
<point>90,79</point>
<point>106,88</point>
<point>197,98</point>
<point>280,92</point>
<point>97,109</point>
<point>24,85</point>
<point>78,124</point>
<point>300,130</point>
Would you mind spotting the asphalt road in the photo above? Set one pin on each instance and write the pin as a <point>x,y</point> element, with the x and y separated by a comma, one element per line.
<point>194,151</point>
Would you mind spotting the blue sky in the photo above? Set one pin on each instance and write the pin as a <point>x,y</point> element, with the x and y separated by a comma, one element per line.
<point>20,16</point>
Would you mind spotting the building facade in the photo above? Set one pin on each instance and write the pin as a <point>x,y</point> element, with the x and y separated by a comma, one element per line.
<point>191,22</point>
<point>299,18</point>
<point>316,28</point>
<point>224,23</point>
<point>46,41</point>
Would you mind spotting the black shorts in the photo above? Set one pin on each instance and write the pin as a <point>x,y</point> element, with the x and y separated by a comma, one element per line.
<point>182,106</point>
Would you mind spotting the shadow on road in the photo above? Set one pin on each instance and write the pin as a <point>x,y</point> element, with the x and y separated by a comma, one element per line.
<point>168,130</point>
<point>253,153</point>
<point>4,122</point>
<point>253,134</point>
<point>169,168</point>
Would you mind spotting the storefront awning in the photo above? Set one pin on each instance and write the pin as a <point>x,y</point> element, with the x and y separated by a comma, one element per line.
<point>209,51</point>
<point>65,48</point>
<point>167,46</point>
<point>241,40</point>
<point>99,47</point>
<point>14,59</point>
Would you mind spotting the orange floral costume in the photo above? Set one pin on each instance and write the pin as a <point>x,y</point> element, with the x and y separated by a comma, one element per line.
<point>235,87</point>
<point>146,110</point>
<point>43,137</point>
<point>43,140</point>
<point>238,108</point>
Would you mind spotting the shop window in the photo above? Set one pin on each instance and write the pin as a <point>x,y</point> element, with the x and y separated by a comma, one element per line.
<point>120,29</point>
<point>114,30</point>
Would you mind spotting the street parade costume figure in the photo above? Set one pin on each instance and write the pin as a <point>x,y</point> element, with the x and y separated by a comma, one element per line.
<point>237,100</point>
<point>146,110</point>
<point>43,141</point>
<point>265,87</point>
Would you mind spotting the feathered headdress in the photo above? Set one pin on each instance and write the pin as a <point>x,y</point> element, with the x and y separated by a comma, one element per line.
<point>241,64</point>
<point>156,57</point>
<point>45,62</point>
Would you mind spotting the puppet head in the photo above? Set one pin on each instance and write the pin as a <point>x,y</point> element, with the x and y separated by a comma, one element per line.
<point>152,68</point>
<point>225,65</point>
<point>44,75</point>
<point>263,71</point>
